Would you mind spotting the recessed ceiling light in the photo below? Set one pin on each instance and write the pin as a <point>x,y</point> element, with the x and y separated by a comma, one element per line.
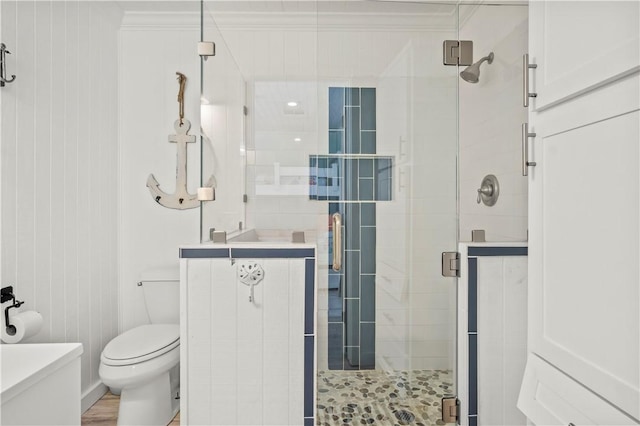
<point>297,139</point>
<point>292,104</point>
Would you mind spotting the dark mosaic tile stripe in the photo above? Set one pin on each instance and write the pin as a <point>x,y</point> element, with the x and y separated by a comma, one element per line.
<point>202,253</point>
<point>352,129</point>
<point>272,253</point>
<point>352,273</point>
<point>309,296</point>
<point>498,251</point>
<point>368,298</point>
<point>368,214</point>
<point>368,142</point>
<point>368,104</point>
<point>367,345</point>
<point>352,96</point>
<point>336,107</point>
<point>352,326</point>
<point>473,374</point>
<point>472,296</point>
<point>308,375</point>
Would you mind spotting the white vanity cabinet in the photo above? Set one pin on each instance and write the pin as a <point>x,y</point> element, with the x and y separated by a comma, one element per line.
<point>247,355</point>
<point>584,216</point>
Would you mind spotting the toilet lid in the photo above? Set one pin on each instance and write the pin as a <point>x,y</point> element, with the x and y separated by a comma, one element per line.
<point>142,343</point>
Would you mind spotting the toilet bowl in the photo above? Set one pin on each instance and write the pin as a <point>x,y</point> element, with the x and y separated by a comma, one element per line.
<point>144,364</point>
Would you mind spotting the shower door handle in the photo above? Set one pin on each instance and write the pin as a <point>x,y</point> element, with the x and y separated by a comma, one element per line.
<point>337,241</point>
<point>525,149</point>
<point>525,80</point>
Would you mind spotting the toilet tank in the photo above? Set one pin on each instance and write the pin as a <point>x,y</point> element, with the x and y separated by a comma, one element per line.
<point>162,298</point>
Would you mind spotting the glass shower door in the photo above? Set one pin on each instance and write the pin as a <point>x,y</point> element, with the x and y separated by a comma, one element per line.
<point>387,164</point>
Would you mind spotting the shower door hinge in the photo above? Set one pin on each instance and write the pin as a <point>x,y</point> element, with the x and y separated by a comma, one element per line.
<point>206,49</point>
<point>457,52</point>
<point>450,264</point>
<point>450,406</point>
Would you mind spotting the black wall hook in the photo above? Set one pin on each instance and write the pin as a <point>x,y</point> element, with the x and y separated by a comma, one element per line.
<point>6,294</point>
<point>3,66</point>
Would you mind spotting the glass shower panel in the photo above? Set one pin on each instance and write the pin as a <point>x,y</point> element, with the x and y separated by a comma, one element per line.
<point>350,111</point>
<point>386,162</point>
<point>283,136</point>
<point>222,131</point>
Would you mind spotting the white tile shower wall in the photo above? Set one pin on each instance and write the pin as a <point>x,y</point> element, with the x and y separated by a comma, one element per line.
<point>153,46</point>
<point>239,371</point>
<point>491,113</point>
<point>59,170</point>
<point>502,338</point>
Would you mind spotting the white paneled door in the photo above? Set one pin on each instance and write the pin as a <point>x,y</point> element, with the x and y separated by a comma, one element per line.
<point>584,215</point>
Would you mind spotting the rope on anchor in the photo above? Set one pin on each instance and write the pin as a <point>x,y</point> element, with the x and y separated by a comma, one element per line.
<point>182,81</point>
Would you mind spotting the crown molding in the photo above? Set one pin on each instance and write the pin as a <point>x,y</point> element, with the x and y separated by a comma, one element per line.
<point>331,15</point>
<point>306,20</point>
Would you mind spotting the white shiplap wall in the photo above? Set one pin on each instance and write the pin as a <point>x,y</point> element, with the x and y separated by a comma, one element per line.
<point>59,170</point>
<point>152,47</point>
<point>242,354</point>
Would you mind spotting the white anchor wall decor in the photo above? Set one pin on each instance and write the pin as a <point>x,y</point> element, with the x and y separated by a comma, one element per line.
<point>181,199</point>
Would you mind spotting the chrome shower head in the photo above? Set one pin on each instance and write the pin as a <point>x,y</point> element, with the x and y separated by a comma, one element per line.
<point>472,72</point>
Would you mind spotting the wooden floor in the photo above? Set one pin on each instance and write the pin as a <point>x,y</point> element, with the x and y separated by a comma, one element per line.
<point>105,412</point>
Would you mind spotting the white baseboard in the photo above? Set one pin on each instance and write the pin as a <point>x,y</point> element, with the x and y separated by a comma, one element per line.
<point>92,395</point>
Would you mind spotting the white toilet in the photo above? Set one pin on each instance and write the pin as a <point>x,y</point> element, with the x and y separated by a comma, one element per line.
<point>144,363</point>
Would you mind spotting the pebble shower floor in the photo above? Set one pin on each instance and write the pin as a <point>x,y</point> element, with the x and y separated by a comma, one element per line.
<point>374,397</point>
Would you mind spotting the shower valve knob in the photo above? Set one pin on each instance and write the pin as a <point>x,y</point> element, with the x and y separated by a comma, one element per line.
<point>485,190</point>
<point>488,191</point>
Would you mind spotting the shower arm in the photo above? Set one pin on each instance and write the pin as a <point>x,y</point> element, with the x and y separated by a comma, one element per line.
<point>486,58</point>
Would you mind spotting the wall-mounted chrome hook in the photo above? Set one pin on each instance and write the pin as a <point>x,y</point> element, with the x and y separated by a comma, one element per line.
<point>3,68</point>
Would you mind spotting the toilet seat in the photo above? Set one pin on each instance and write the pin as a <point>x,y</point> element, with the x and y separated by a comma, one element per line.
<point>141,344</point>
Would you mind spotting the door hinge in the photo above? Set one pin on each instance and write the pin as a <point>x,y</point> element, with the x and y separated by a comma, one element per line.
<point>457,52</point>
<point>245,110</point>
<point>450,407</point>
<point>450,264</point>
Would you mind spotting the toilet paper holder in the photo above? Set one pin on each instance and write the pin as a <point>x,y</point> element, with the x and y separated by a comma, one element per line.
<point>6,294</point>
